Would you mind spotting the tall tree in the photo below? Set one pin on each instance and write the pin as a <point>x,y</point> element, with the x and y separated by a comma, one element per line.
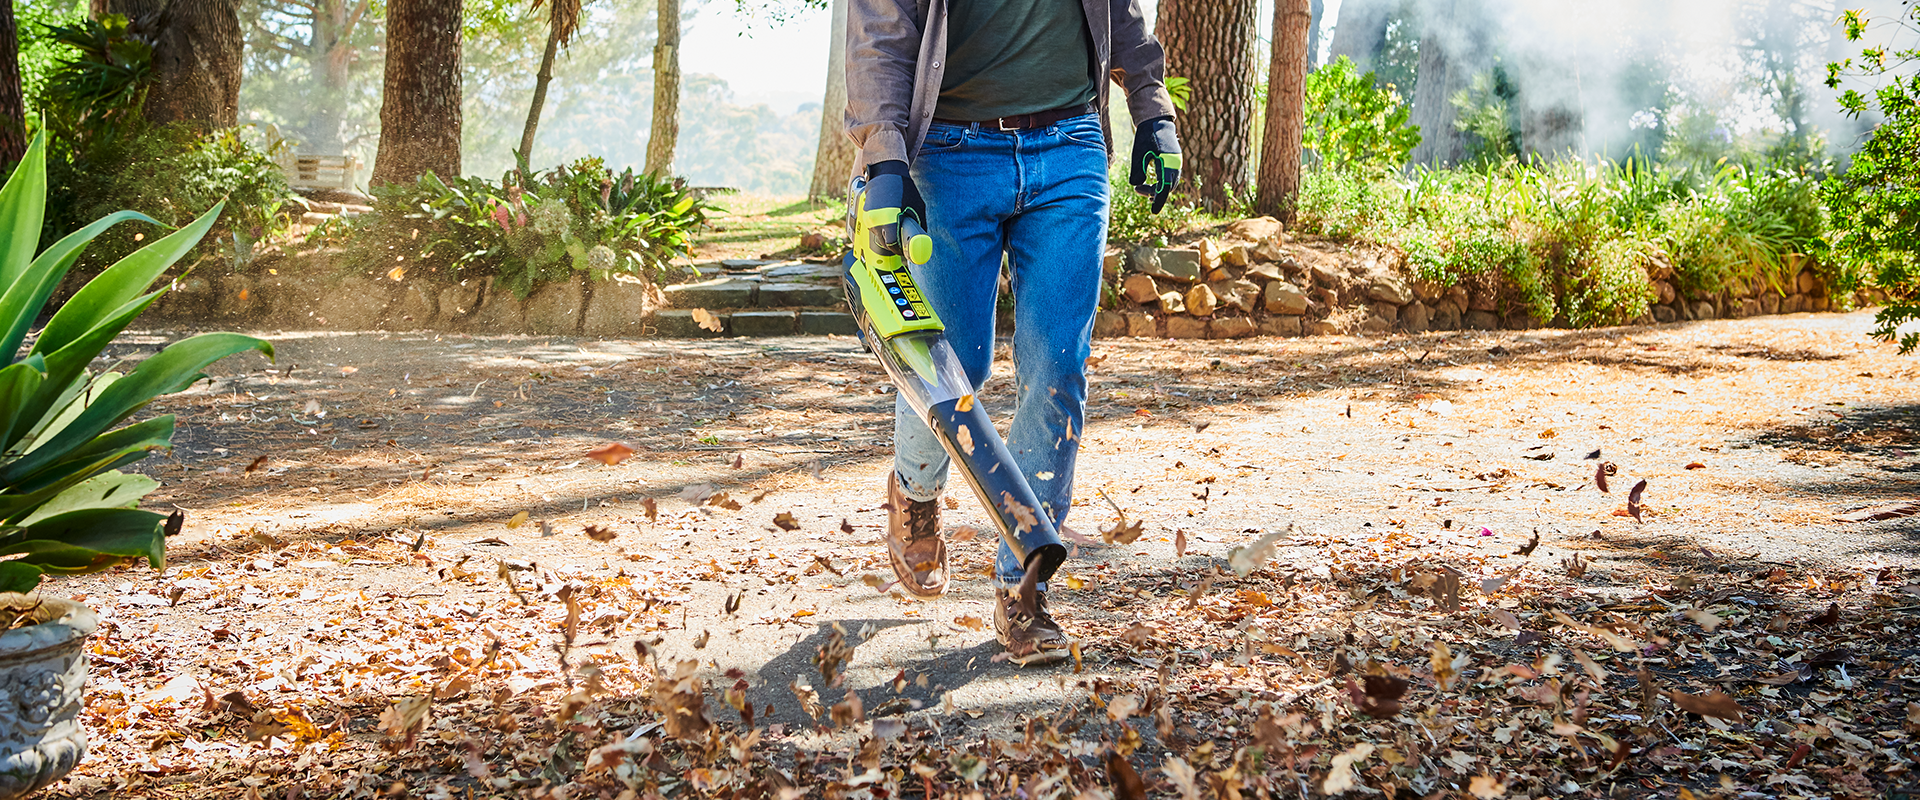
<point>420,104</point>
<point>1318,11</point>
<point>1361,31</point>
<point>197,46</point>
<point>1454,47</point>
<point>563,18</point>
<point>13,111</point>
<point>1211,44</point>
<point>833,158</point>
<point>1280,152</point>
<point>320,35</point>
<point>666,90</point>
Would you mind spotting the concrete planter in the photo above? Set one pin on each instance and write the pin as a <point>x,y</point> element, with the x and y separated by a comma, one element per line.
<point>43,668</point>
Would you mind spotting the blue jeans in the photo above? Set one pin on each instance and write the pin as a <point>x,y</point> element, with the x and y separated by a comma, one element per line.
<point>1040,197</point>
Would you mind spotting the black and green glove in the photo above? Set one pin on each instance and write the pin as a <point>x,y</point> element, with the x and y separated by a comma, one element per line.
<point>1155,167</point>
<point>890,186</point>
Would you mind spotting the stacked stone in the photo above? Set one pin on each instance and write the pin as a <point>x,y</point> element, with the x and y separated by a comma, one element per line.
<point>1253,283</point>
<point>1806,292</point>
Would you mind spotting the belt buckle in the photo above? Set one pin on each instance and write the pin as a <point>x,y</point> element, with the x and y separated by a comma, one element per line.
<point>1001,123</point>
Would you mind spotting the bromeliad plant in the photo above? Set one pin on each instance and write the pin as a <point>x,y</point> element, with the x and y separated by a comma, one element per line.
<point>65,507</point>
<point>530,227</point>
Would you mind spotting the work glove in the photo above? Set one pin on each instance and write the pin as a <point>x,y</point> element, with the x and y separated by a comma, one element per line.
<point>889,186</point>
<point>1155,167</point>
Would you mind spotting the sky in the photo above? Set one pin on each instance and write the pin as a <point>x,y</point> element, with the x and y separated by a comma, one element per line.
<point>781,65</point>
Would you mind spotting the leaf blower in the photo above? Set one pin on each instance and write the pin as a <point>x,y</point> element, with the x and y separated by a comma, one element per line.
<point>900,328</point>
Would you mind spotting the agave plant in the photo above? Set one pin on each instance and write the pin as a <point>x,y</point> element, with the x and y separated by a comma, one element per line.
<point>64,506</point>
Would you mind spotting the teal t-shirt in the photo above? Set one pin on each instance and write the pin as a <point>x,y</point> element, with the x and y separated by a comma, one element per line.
<point>1009,57</point>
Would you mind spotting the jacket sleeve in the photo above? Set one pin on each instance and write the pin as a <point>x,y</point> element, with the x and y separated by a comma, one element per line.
<point>883,46</point>
<point>1139,64</point>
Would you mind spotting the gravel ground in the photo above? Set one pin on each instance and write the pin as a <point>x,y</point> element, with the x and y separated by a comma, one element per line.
<point>388,466</point>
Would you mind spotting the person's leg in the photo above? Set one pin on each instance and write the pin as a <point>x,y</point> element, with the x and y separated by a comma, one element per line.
<point>1056,242</point>
<point>967,179</point>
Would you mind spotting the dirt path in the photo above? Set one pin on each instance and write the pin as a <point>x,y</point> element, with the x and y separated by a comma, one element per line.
<point>355,538</point>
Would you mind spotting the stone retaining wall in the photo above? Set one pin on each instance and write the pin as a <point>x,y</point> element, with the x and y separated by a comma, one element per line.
<point>1257,280</point>
<point>305,294</point>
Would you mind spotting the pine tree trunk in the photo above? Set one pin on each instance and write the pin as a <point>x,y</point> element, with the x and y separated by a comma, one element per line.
<point>544,77</point>
<point>833,158</point>
<point>420,103</point>
<point>666,91</point>
<point>329,52</point>
<point>1438,80</point>
<point>13,112</point>
<point>197,46</point>
<point>1210,43</point>
<point>1361,31</point>
<point>1280,153</point>
<point>1318,15</point>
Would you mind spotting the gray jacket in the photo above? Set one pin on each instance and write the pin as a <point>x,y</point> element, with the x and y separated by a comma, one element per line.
<point>896,51</point>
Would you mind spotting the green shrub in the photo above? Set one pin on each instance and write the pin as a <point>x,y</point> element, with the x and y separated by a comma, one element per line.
<point>1353,123</point>
<point>105,156</point>
<point>64,506</point>
<point>167,172</point>
<point>1875,206</point>
<point>1569,241</point>
<point>577,217</point>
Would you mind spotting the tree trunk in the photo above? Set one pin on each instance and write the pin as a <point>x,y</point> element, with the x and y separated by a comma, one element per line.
<point>329,52</point>
<point>1441,75</point>
<point>1210,43</point>
<point>1361,31</point>
<point>197,46</point>
<point>833,158</point>
<point>420,103</point>
<point>1280,153</point>
<point>13,112</point>
<point>1318,11</point>
<point>544,77</point>
<point>666,91</point>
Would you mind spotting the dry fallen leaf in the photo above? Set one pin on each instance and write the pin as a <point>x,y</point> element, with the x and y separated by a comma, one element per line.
<point>1127,784</point>
<point>1023,517</point>
<point>970,623</point>
<point>786,522</point>
<point>405,718</point>
<point>1123,532</point>
<point>600,534</point>
<point>965,437</point>
<point>1633,500</point>
<point>1487,787</point>
<point>1716,704</point>
<point>706,319</point>
<point>1340,777</point>
<point>517,520</point>
<point>1245,559</point>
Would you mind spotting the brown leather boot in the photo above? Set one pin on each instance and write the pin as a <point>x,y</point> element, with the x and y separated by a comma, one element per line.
<point>914,544</point>
<point>1026,629</point>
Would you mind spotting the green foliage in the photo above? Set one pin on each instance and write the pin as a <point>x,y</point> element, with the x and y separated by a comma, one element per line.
<point>95,92</point>
<point>1875,206</point>
<point>578,217</point>
<point>1179,90</point>
<point>64,506</point>
<point>39,54</point>
<point>1353,123</point>
<point>1570,241</point>
<point>166,173</point>
<point>1484,111</point>
<point>105,156</point>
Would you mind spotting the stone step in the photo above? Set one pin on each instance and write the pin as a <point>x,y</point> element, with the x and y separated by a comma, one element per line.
<point>731,292</point>
<point>679,323</point>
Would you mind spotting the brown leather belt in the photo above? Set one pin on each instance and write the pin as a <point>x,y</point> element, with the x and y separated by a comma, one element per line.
<point>1037,119</point>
